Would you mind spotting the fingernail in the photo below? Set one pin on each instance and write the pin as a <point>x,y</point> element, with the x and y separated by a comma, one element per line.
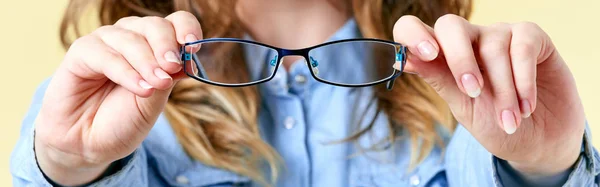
<point>471,85</point>
<point>525,108</point>
<point>427,50</point>
<point>172,57</point>
<point>161,74</point>
<point>191,38</point>
<point>397,66</point>
<point>508,121</point>
<point>145,85</point>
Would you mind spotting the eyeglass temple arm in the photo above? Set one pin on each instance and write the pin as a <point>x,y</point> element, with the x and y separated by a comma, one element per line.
<point>390,84</point>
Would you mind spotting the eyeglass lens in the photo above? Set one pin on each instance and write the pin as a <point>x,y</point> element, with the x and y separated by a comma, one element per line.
<point>346,63</point>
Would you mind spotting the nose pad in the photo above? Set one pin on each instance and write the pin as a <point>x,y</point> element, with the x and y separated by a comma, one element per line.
<point>314,65</point>
<point>272,66</point>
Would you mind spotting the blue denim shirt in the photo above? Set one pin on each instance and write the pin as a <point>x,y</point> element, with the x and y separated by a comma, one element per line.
<point>300,117</point>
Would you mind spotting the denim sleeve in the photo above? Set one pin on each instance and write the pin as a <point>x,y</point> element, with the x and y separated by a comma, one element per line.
<point>584,172</point>
<point>468,163</point>
<point>511,177</point>
<point>26,172</point>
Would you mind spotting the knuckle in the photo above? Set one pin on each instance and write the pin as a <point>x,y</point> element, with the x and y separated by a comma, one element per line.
<point>403,23</point>
<point>500,25</point>
<point>524,48</point>
<point>84,44</point>
<point>493,49</point>
<point>437,85</point>
<point>449,19</point>
<point>531,29</point>
<point>183,14</point>
<point>525,87</point>
<point>152,20</point>
<point>77,47</point>
<point>528,26</point>
<point>406,21</point>
<point>104,29</point>
<point>127,36</point>
<point>505,96</point>
<point>127,20</point>
<point>112,55</point>
<point>81,42</point>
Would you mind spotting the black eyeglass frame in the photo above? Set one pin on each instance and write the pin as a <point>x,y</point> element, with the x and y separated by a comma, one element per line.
<point>401,55</point>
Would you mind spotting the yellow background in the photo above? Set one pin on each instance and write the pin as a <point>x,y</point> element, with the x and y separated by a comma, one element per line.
<point>30,51</point>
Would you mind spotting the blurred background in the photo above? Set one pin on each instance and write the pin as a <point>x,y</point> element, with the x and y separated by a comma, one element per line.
<point>30,50</point>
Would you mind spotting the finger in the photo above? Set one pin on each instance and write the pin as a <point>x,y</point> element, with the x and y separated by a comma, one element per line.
<point>407,31</point>
<point>103,61</point>
<point>414,34</point>
<point>136,50</point>
<point>525,48</point>
<point>127,20</point>
<point>493,48</point>
<point>455,36</point>
<point>160,35</point>
<point>187,28</point>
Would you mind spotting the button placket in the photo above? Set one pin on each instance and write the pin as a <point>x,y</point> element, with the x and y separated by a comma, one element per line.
<point>289,122</point>
<point>278,85</point>
<point>415,180</point>
<point>182,179</point>
<point>300,79</point>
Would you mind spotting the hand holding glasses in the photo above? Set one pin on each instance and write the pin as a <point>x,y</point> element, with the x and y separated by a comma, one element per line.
<point>348,63</point>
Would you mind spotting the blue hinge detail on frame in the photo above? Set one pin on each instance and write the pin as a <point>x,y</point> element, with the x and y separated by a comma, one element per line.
<point>399,56</point>
<point>313,62</point>
<point>273,61</point>
<point>188,57</point>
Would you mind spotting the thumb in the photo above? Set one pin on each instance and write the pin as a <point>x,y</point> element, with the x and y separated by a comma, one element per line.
<point>437,74</point>
<point>152,106</point>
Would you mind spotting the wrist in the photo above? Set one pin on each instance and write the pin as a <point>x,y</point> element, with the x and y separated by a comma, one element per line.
<point>549,164</point>
<point>64,169</point>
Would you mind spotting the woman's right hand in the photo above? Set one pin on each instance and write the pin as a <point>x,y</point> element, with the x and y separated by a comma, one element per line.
<point>107,94</point>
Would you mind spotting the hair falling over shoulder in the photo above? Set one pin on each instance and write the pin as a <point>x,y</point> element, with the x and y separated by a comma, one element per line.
<point>218,126</point>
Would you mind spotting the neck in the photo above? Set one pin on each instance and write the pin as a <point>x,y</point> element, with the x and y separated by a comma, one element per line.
<point>292,24</point>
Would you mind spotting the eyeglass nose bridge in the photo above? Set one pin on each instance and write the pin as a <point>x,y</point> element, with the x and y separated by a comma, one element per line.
<point>287,52</point>
<point>312,62</point>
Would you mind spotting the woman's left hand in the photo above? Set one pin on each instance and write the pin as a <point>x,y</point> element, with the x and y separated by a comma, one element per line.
<point>505,83</point>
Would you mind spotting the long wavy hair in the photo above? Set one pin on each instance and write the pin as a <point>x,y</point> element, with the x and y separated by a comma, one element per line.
<point>218,126</point>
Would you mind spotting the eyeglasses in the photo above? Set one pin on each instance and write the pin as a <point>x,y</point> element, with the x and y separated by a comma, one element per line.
<point>347,63</point>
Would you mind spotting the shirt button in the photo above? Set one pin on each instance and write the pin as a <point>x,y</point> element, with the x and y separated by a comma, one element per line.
<point>415,180</point>
<point>182,180</point>
<point>289,122</point>
<point>301,79</point>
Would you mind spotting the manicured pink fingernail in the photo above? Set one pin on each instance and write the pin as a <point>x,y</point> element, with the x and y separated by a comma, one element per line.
<point>508,121</point>
<point>427,50</point>
<point>170,56</point>
<point>191,38</point>
<point>161,74</point>
<point>471,85</point>
<point>525,108</point>
<point>145,85</point>
<point>397,65</point>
